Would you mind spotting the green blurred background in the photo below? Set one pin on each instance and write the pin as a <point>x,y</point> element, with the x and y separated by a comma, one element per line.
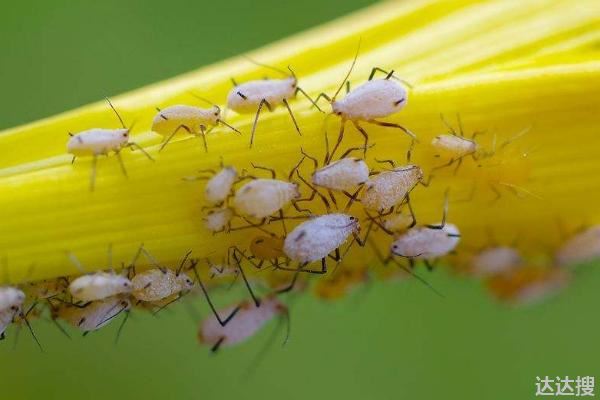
<point>387,341</point>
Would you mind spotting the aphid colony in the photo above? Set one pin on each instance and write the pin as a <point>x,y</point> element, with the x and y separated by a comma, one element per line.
<point>312,221</point>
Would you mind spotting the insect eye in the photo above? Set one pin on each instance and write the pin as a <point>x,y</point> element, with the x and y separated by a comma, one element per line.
<point>338,113</point>
<point>216,114</point>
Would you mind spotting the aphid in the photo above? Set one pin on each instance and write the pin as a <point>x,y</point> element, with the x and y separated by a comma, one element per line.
<point>263,248</point>
<point>495,260</point>
<point>218,188</point>
<point>582,247</point>
<point>455,144</point>
<point>11,299</point>
<point>261,198</point>
<point>252,96</point>
<point>46,289</point>
<point>376,98</point>
<point>527,284</point>
<point>249,319</point>
<point>398,223</point>
<point>93,315</point>
<point>195,120</point>
<point>387,189</point>
<point>99,141</point>
<point>159,283</point>
<point>97,286</point>
<point>343,175</point>
<point>11,307</point>
<point>427,242</point>
<point>317,238</point>
<point>218,220</point>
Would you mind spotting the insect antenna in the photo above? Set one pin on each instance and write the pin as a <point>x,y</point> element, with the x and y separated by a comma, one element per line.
<point>116,112</point>
<point>272,68</point>
<point>349,71</point>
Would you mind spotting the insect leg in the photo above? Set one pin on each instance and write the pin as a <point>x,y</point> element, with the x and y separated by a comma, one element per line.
<point>220,121</point>
<point>393,125</point>
<point>239,265</point>
<point>120,330</point>
<point>287,105</point>
<point>365,135</point>
<point>262,103</point>
<point>445,212</point>
<point>314,102</point>
<point>271,170</point>
<point>323,95</point>
<point>166,142</point>
<point>222,322</point>
<point>203,136</point>
<point>314,191</point>
<point>339,140</point>
<point>93,173</point>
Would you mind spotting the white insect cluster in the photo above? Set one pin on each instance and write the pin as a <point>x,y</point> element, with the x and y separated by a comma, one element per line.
<point>294,227</point>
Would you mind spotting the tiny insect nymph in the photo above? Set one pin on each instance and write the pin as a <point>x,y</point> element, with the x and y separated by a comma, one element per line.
<point>159,282</point>
<point>100,141</point>
<point>194,120</point>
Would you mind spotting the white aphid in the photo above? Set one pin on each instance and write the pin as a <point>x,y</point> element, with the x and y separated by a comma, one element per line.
<point>456,146</point>
<point>246,97</point>
<point>94,315</point>
<point>194,120</point>
<point>97,141</point>
<point>248,320</point>
<point>261,198</point>
<point>343,174</point>
<point>99,286</point>
<point>495,260</point>
<point>376,98</point>
<point>169,119</point>
<point>219,186</point>
<point>100,141</point>
<point>217,220</point>
<point>424,243</point>
<point>156,284</point>
<point>388,188</point>
<point>11,299</point>
<point>314,239</point>
<point>581,248</point>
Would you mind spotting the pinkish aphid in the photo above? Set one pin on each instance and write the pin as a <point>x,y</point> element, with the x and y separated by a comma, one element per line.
<point>495,260</point>
<point>99,141</point>
<point>582,247</point>
<point>194,120</point>
<point>248,320</point>
<point>93,315</point>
